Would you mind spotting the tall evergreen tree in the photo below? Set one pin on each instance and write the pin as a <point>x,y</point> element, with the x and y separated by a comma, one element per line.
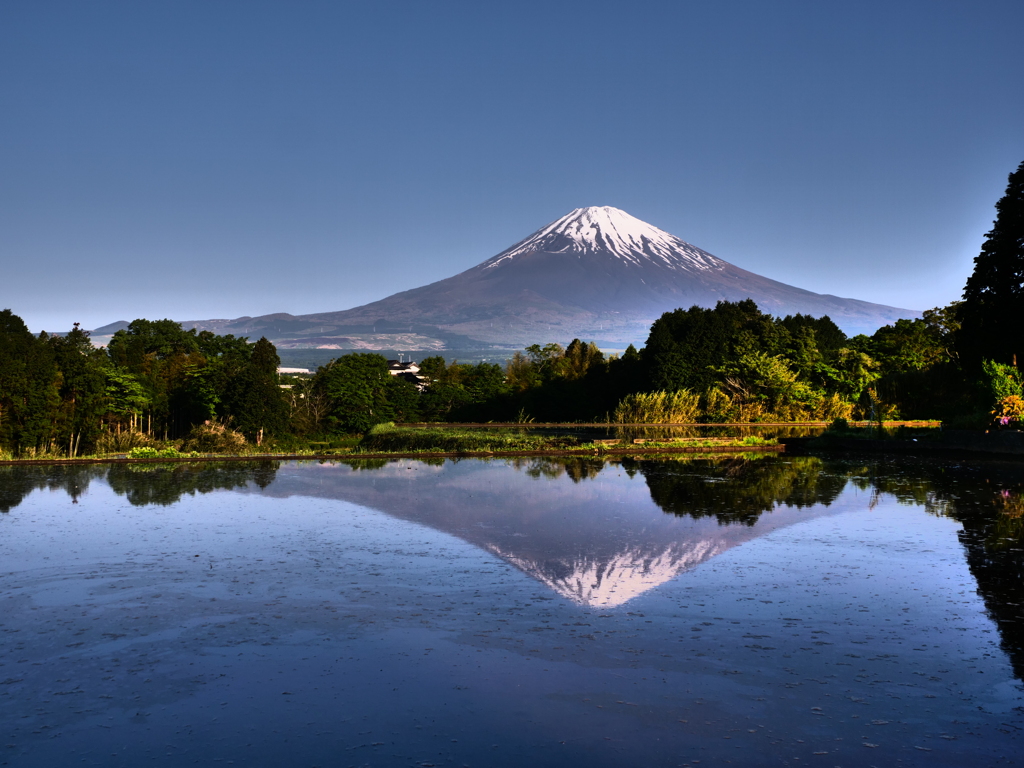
<point>992,313</point>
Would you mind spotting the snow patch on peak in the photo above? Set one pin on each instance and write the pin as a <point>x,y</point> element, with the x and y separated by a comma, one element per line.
<point>604,229</point>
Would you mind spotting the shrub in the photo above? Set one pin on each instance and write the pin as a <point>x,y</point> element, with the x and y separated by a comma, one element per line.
<point>1009,411</point>
<point>1001,380</point>
<point>143,452</point>
<point>148,452</point>
<point>214,437</point>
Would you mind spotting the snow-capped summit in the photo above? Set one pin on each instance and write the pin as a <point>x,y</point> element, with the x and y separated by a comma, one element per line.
<point>606,230</point>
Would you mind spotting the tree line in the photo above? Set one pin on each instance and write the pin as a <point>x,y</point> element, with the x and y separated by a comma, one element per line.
<point>154,381</point>
<point>157,382</point>
<point>730,363</point>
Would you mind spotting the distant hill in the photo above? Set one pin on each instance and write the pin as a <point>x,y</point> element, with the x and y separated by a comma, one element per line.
<point>596,273</point>
<point>110,328</point>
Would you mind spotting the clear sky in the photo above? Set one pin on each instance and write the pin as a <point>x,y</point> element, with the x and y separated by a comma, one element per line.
<point>218,159</point>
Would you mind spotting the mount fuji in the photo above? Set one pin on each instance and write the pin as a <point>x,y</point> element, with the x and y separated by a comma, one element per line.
<point>596,273</point>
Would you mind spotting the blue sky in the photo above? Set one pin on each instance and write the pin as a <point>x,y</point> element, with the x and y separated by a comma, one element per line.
<point>218,159</point>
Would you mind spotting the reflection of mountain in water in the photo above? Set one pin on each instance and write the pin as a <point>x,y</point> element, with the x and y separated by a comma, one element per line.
<point>731,491</point>
<point>728,490</point>
<point>582,527</point>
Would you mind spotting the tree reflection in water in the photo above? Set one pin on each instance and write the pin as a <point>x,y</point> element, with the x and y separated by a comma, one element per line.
<point>165,484</point>
<point>739,490</point>
<point>18,481</point>
<point>987,499</point>
<point>141,484</point>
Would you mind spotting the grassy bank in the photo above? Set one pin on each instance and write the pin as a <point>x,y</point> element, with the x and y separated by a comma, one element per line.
<point>387,438</point>
<point>390,440</point>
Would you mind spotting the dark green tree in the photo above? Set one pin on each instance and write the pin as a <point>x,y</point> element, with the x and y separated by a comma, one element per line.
<point>486,392</point>
<point>687,346</point>
<point>158,354</point>
<point>546,360</point>
<point>29,388</point>
<point>83,379</point>
<point>579,359</point>
<point>908,345</point>
<point>462,391</point>
<point>209,387</point>
<point>444,393</point>
<point>150,339</point>
<point>356,386</point>
<point>434,368</point>
<point>944,323</point>
<point>828,337</point>
<point>126,397</point>
<point>256,401</point>
<point>992,313</point>
<point>403,398</point>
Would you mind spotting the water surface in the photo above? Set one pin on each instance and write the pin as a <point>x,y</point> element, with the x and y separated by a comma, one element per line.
<point>768,611</point>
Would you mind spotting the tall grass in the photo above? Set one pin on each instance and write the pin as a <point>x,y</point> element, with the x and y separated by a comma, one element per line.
<point>833,407</point>
<point>122,442</point>
<point>716,406</point>
<point>657,408</point>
